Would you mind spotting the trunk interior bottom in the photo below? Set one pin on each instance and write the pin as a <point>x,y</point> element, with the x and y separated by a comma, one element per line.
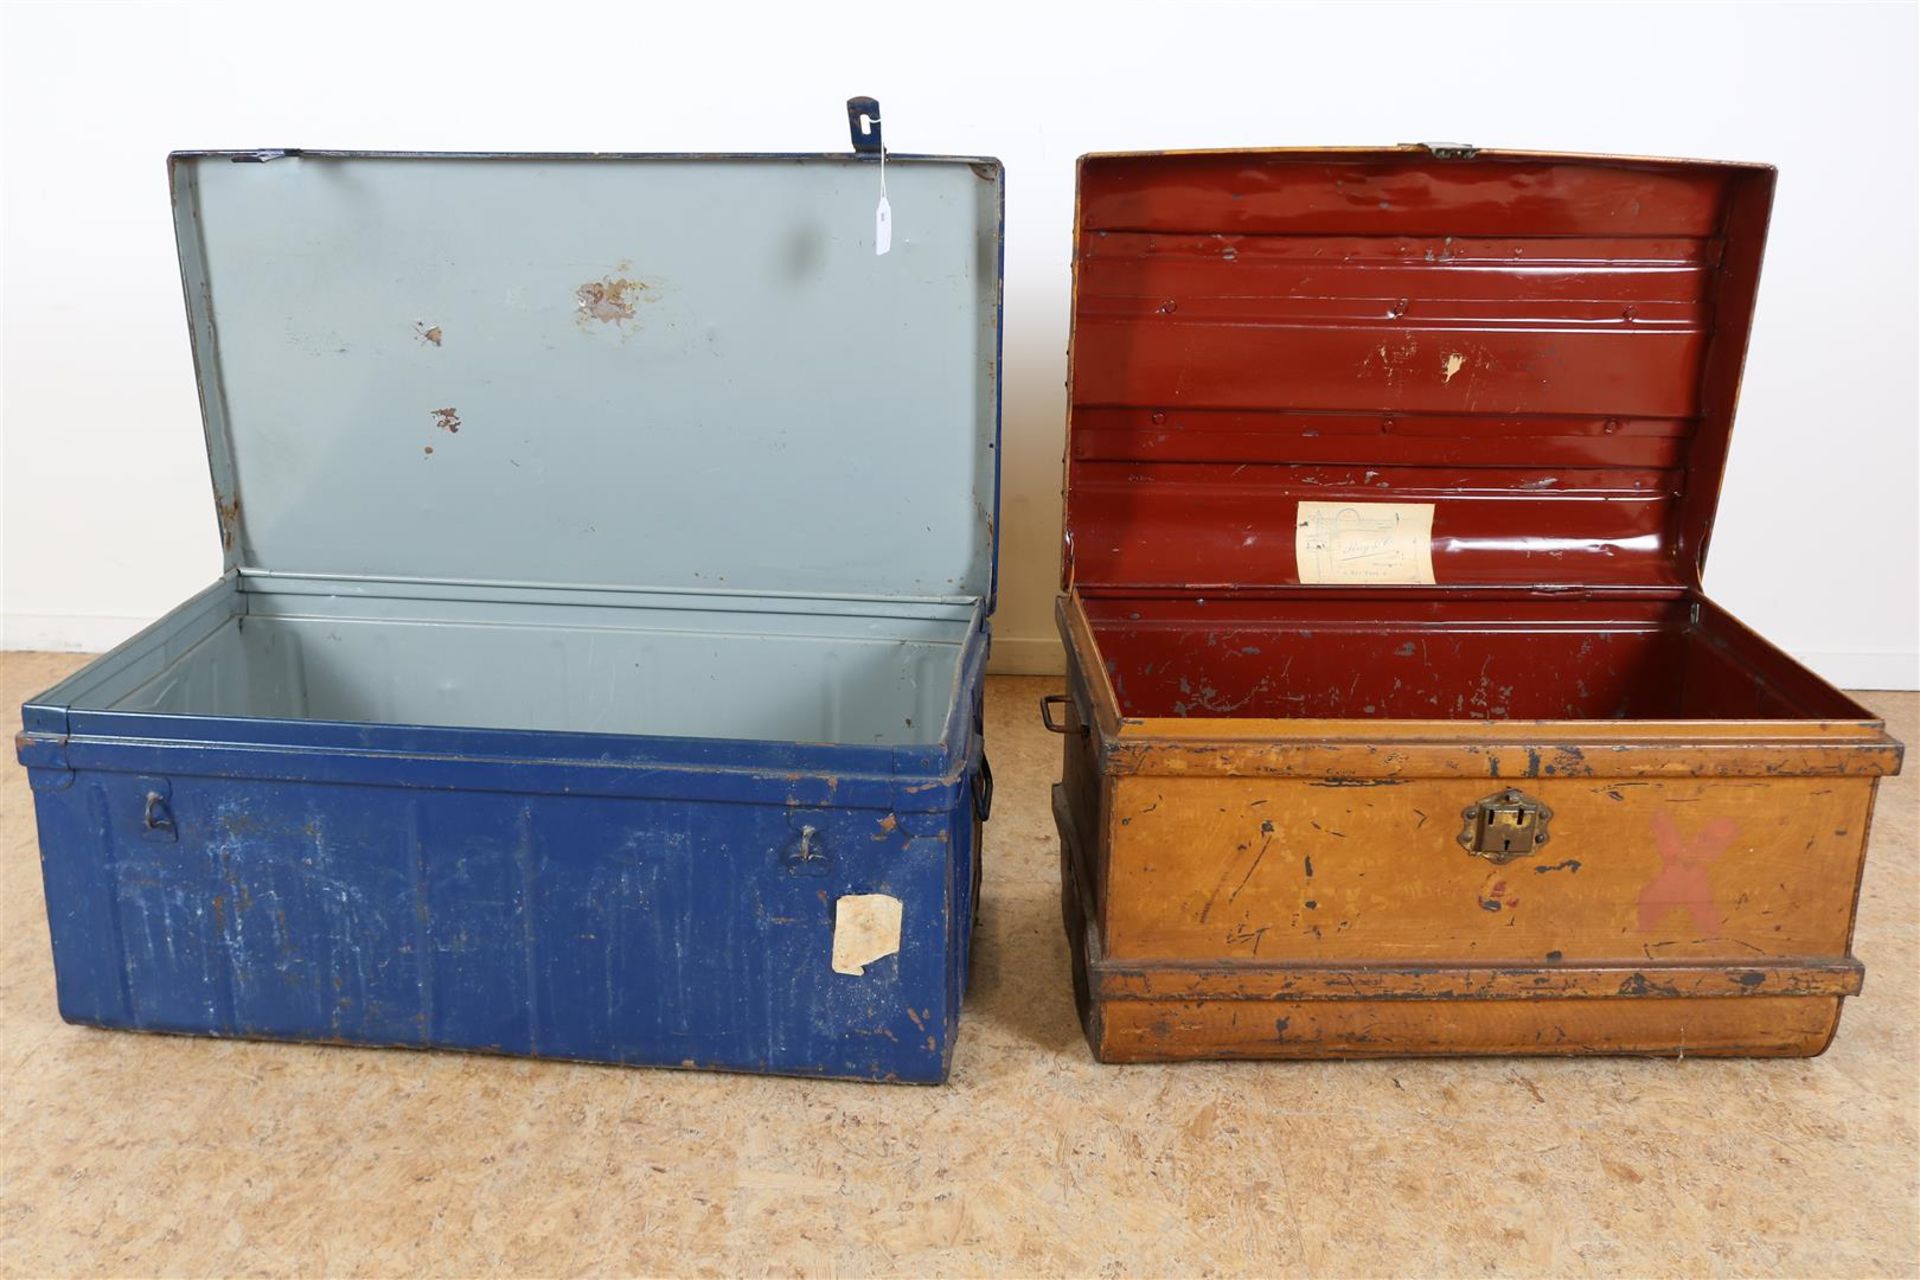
<point>1449,659</point>
<point>702,673</point>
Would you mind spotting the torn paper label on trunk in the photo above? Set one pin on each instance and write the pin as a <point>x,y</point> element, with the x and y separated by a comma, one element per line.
<point>866,927</point>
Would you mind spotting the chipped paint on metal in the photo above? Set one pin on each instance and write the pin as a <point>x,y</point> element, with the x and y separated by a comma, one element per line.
<point>228,511</point>
<point>611,299</point>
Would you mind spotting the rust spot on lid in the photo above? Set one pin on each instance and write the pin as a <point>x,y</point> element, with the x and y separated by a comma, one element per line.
<point>427,333</point>
<point>609,300</point>
<point>446,419</point>
<point>229,513</point>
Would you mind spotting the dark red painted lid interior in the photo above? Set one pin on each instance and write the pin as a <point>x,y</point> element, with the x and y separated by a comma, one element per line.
<point>1547,348</point>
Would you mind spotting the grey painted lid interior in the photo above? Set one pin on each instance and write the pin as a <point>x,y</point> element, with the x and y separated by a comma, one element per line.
<point>654,372</point>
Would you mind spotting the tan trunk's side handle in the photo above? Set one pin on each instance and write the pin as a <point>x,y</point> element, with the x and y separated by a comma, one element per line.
<point>1047,703</point>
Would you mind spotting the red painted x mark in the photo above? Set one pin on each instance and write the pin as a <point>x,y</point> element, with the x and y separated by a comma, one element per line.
<point>1682,884</point>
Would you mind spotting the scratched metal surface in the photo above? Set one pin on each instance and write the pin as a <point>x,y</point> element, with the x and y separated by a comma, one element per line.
<point>630,898</point>
<point>567,908</point>
<point>663,372</point>
<point>1545,347</point>
<point>1542,350</point>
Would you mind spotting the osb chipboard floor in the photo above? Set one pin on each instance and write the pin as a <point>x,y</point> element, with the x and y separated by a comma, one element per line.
<point>144,1155</point>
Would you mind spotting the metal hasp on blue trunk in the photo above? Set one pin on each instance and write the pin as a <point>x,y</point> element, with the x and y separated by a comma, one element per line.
<point>597,670</point>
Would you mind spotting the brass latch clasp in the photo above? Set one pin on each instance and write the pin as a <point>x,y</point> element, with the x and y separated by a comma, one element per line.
<point>1507,825</point>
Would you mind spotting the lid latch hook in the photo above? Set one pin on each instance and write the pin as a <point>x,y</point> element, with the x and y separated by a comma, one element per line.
<point>863,122</point>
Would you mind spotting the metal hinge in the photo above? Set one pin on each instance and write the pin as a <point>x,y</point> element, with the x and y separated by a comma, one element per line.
<point>1449,150</point>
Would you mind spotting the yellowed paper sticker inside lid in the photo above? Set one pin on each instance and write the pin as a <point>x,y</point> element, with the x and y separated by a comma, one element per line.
<point>1380,542</point>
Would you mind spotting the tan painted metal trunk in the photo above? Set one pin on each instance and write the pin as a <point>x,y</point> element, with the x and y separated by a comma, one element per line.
<point>1398,721</point>
<point>1276,888</point>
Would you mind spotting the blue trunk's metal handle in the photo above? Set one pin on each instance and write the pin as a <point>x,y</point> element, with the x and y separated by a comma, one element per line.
<point>983,789</point>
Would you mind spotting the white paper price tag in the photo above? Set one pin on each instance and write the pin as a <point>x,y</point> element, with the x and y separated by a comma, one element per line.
<point>882,227</point>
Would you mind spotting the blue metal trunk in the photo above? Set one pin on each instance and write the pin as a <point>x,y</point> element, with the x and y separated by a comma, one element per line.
<point>597,672</point>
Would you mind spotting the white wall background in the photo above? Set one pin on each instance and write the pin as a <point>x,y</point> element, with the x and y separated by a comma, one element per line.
<point>108,514</point>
